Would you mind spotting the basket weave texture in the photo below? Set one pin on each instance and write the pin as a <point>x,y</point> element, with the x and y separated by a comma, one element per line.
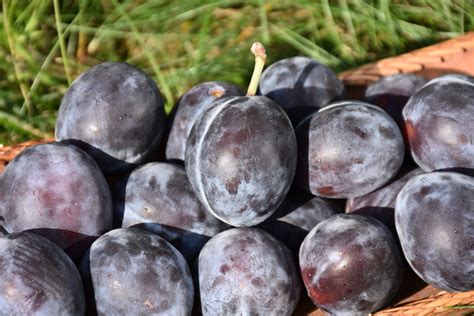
<point>456,55</point>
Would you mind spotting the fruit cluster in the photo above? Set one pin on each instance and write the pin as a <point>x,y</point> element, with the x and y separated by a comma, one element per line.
<point>232,206</point>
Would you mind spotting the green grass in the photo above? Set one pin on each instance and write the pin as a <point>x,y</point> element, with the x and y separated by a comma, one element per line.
<point>44,45</point>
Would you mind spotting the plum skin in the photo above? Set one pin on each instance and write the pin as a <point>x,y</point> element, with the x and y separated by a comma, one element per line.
<point>438,123</point>
<point>241,159</point>
<point>247,271</point>
<point>159,192</point>
<point>350,264</point>
<point>434,219</point>
<point>45,280</point>
<point>115,112</point>
<point>347,149</point>
<point>137,272</point>
<point>58,191</point>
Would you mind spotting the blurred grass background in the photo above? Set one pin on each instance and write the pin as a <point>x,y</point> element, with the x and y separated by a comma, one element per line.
<point>44,45</point>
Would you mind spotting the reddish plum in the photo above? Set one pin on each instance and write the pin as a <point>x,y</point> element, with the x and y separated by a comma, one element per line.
<point>58,191</point>
<point>350,265</point>
<point>438,122</point>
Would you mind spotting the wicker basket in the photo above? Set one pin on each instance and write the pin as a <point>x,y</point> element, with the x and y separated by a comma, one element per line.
<point>456,55</point>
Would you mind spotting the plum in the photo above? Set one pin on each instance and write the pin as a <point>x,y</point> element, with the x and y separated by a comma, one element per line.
<point>241,158</point>
<point>380,203</point>
<point>438,121</point>
<point>347,149</point>
<point>115,112</point>
<point>139,273</point>
<point>38,278</point>
<point>57,191</point>
<point>350,265</point>
<point>300,85</point>
<point>391,93</point>
<point>160,192</point>
<point>188,109</point>
<point>434,217</point>
<point>245,271</point>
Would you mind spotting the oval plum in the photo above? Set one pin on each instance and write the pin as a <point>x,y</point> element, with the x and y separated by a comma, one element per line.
<point>438,122</point>
<point>434,217</point>
<point>115,112</point>
<point>38,278</point>
<point>241,159</point>
<point>245,271</point>
<point>58,191</point>
<point>138,273</point>
<point>350,265</point>
<point>160,193</point>
<point>347,149</point>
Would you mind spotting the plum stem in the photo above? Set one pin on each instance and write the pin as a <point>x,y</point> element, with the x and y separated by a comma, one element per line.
<point>260,56</point>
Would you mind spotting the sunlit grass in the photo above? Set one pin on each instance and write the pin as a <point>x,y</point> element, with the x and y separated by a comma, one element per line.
<point>43,44</point>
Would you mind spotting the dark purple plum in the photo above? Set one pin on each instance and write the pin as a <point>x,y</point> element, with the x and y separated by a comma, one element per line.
<point>139,273</point>
<point>160,193</point>
<point>301,86</point>
<point>350,265</point>
<point>434,216</point>
<point>115,112</point>
<point>245,271</point>
<point>241,159</point>
<point>190,106</point>
<point>38,278</point>
<point>297,216</point>
<point>438,122</point>
<point>58,191</point>
<point>391,93</point>
<point>380,203</point>
<point>348,149</point>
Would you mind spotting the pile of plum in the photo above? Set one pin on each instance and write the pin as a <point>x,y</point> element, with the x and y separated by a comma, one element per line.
<point>236,203</point>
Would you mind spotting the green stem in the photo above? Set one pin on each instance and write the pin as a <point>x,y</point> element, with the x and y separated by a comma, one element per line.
<point>62,44</point>
<point>260,56</point>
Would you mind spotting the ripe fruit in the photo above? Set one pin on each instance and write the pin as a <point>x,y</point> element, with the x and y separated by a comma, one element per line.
<point>136,272</point>
<point>350,265</point>
<point>438,121</point>
<point>190,106</point>
<point>245,271</point>
<point>434,216</point>
<point>301,86</point>
<point>37,278</point>
<point>241,158</point>
<point>59,192</point>
<point>347,149</point>
<point>160,193</point>
<point>115,112</point>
